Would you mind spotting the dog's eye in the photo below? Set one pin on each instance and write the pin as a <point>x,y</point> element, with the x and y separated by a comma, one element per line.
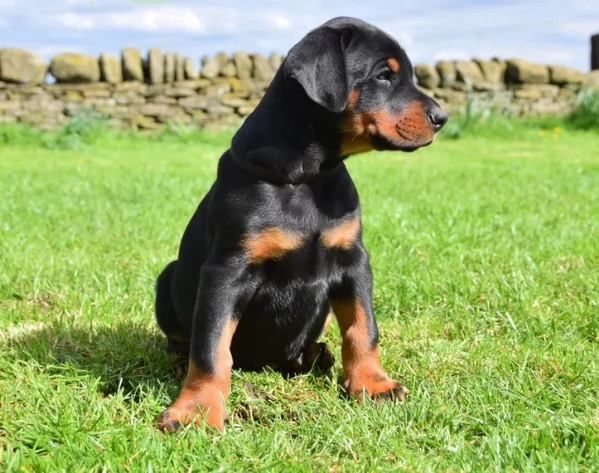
<point>384,76</point>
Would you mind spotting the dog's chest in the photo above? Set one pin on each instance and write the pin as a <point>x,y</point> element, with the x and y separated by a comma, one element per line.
<point>295,268</point>
<point>302,250</point>
<point>304,229</point>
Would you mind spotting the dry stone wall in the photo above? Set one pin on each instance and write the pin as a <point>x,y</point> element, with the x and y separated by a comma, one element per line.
<point>134,90</point>
<point>516,86</point>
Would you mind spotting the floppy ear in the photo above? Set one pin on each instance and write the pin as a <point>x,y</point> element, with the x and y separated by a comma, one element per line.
<point>317,63</point>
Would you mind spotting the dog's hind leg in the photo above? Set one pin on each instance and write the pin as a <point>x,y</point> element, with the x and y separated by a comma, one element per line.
<point>166,314</point>
<point>315,354</point>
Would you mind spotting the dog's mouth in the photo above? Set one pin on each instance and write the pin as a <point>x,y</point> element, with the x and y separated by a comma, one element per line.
<point>383,131</point>
<point>402,140</point>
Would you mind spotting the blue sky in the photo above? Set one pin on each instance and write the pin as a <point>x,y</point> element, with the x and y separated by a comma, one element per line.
<point>540,30</point>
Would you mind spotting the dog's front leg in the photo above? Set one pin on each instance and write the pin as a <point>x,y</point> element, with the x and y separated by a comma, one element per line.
<point>206,388</point>
<point>363,373</point>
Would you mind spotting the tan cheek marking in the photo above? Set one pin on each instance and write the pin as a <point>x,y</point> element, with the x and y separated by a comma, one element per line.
<point>354,139</point>
<point>206,393</point>
<point>358,127</point>
<point>352,128</point>
<point>385,123</point>
<point>342,236</point>
<point>414,124</point>
<point>393,64</point>
<point>271,243</point>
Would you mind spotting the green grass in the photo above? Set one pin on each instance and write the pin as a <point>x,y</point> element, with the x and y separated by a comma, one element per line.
<point>485,252</point>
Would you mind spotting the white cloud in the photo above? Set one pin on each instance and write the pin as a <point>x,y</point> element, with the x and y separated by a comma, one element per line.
<point>278,20</point>
<point>144,19</point>
<point>172,19</point>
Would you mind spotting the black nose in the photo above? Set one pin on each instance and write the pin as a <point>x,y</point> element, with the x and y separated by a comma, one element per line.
<point>438,118</point>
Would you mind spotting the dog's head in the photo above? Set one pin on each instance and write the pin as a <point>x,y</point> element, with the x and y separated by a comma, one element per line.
<point>364,79</point>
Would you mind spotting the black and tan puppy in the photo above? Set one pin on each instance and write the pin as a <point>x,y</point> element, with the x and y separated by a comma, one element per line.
<point>276,244</point>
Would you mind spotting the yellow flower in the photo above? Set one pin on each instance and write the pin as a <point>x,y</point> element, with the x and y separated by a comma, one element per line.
<point>557,129</point>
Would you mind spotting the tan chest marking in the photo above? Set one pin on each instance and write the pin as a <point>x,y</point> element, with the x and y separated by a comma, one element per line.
<point>271,243</point>
<point>342,236</point>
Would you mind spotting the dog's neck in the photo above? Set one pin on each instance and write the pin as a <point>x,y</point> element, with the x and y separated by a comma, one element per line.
<point>287,138</point>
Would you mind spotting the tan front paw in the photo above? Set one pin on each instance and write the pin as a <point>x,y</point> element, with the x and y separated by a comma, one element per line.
<point>181,414</point>
<point>375,384</point>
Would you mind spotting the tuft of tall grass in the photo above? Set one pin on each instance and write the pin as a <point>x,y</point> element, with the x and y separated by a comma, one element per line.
<point>481,109</point>
<point>85,128</point>
<point>585,115</point>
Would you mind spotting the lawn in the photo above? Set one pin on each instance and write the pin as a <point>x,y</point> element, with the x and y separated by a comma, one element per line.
<point>485,254</point>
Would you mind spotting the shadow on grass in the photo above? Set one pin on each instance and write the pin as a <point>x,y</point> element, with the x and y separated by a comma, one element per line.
<point>128,358</point>
<point>123,357</point>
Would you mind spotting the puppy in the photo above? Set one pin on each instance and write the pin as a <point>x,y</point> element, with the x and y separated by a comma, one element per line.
<point>275,246</point>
